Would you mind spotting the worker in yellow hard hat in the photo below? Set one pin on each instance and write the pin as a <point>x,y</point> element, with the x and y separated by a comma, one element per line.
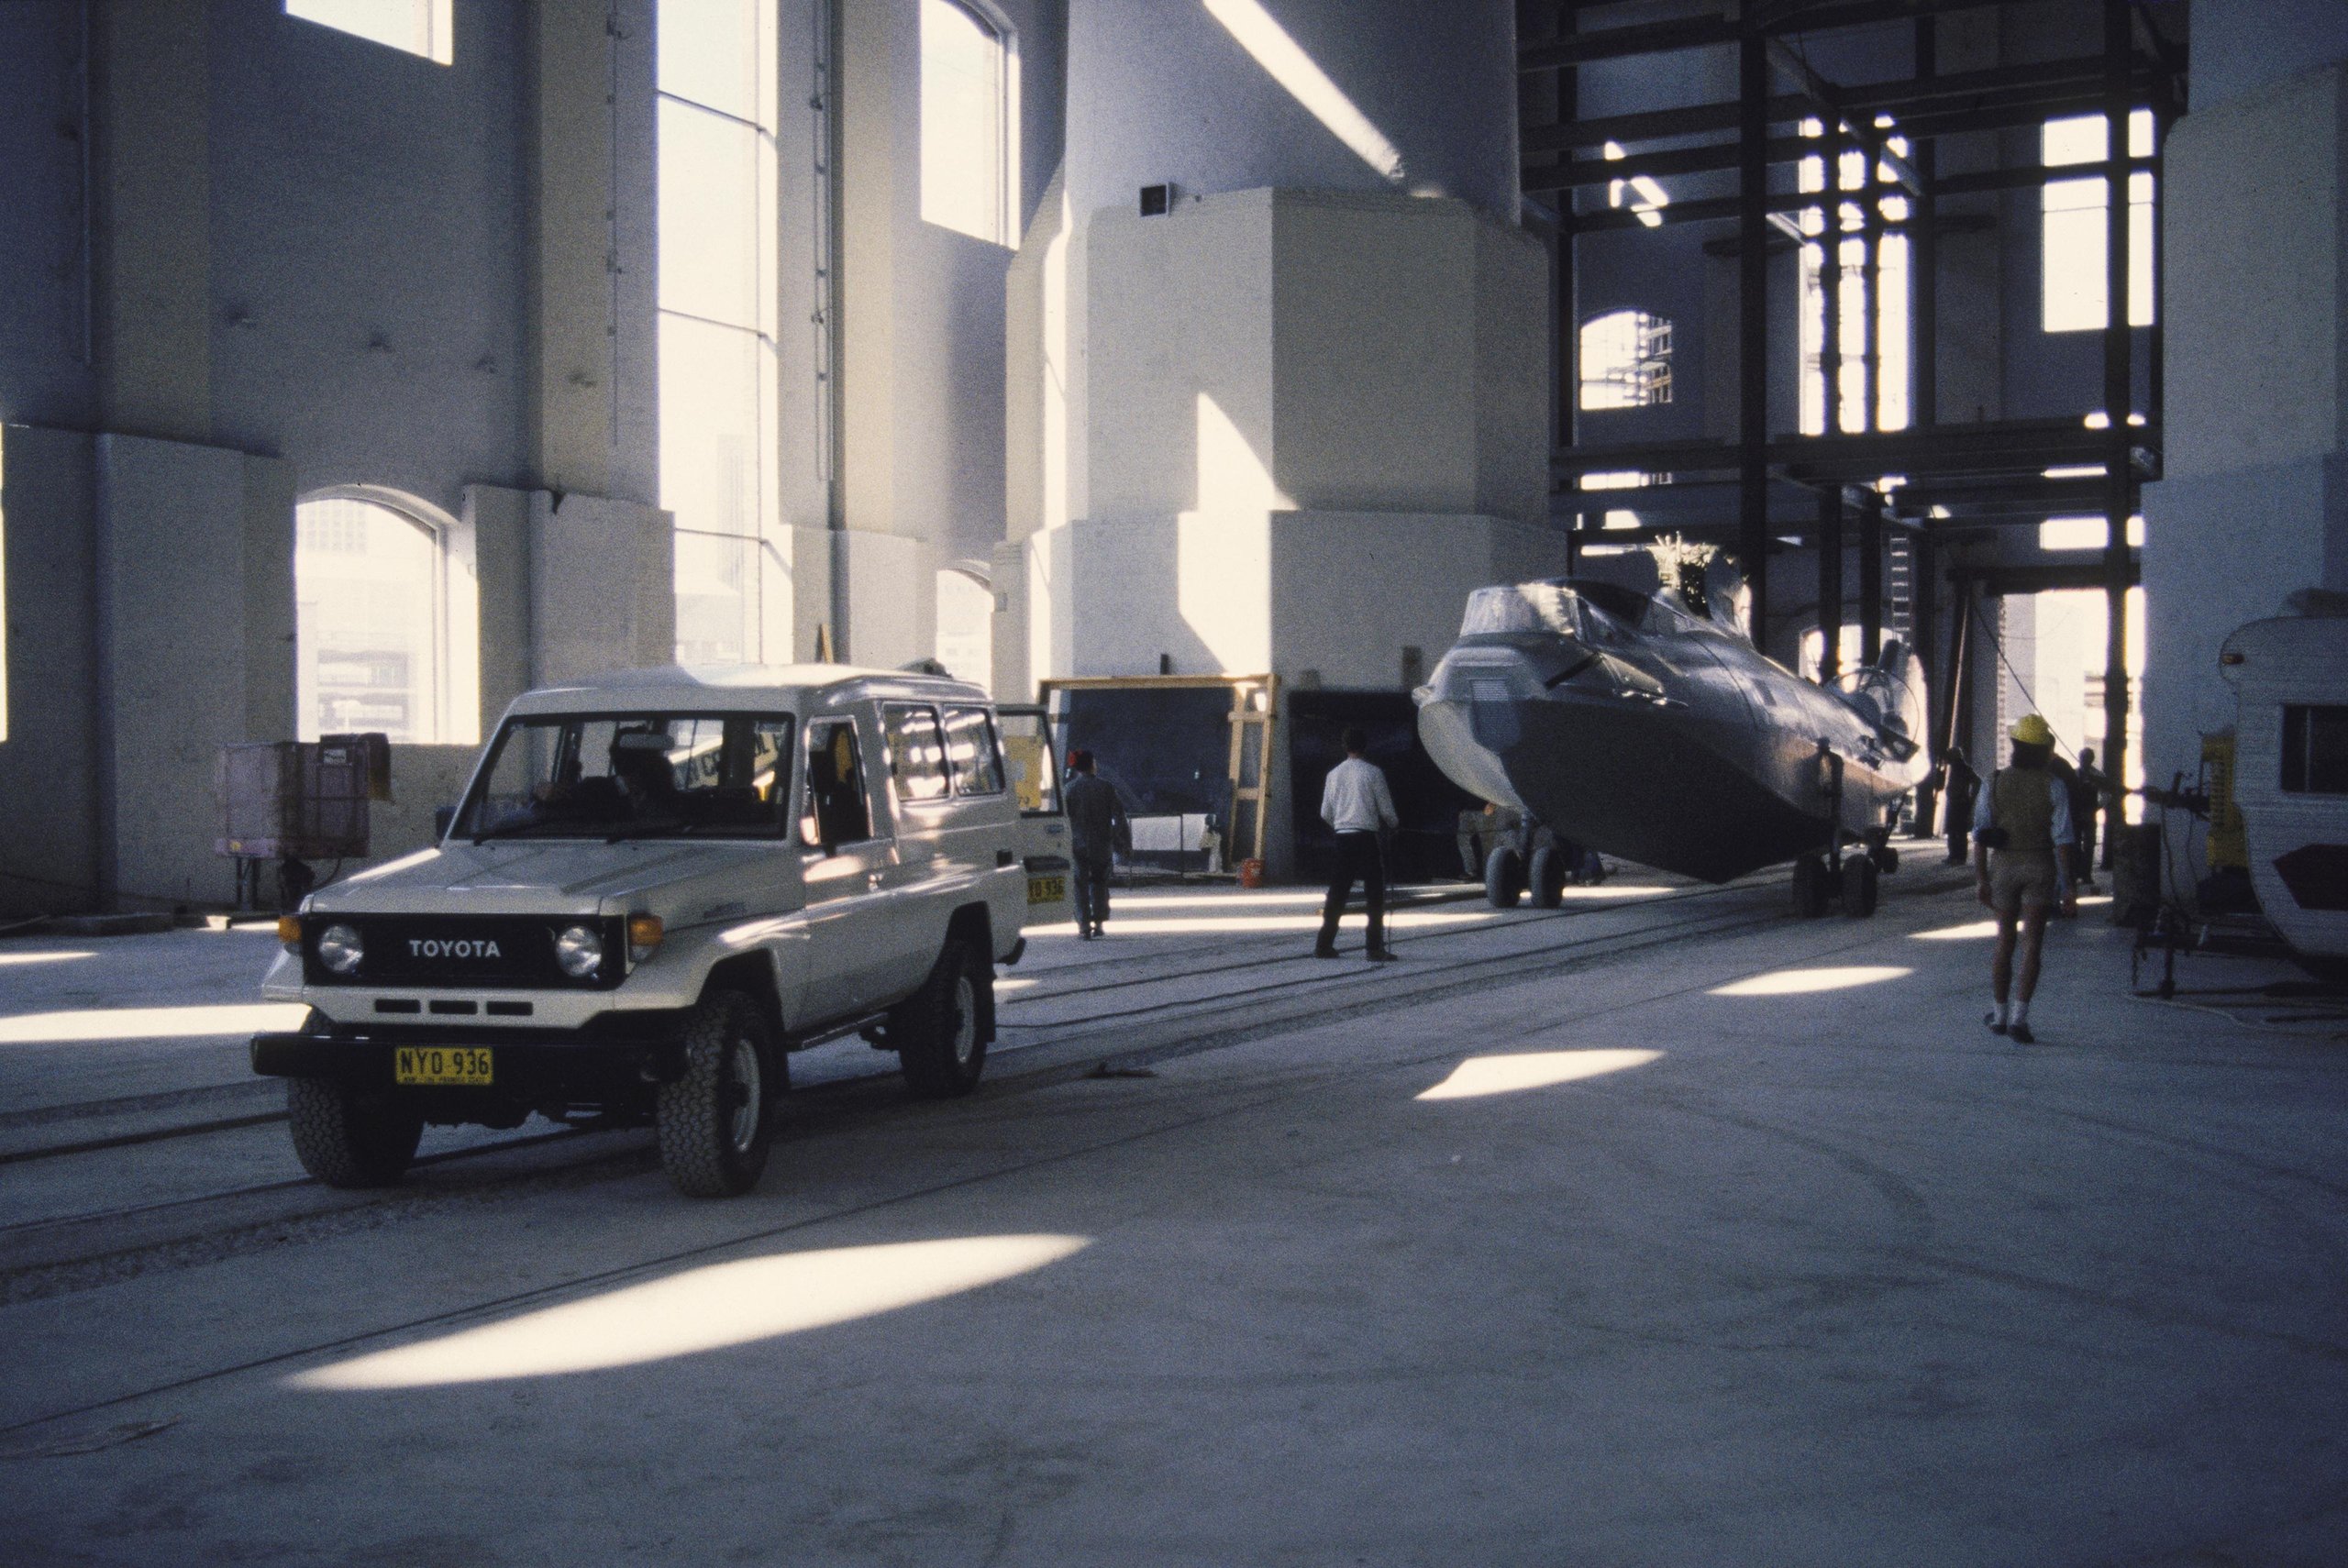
<point>2024,845</point>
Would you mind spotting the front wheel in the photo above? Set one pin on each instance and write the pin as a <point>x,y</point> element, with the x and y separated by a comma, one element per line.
<point>1546,877</point>
<point>1503,877</point>
<point>940,1030</point>
<point>716,1121</point>
<point>1858,887</point>
<point>346,1136</point>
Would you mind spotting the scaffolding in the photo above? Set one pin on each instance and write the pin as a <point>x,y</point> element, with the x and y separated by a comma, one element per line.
<point>1955,480</point>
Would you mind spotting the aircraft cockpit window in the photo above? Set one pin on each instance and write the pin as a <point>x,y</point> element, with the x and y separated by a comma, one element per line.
<point>1523,608</point>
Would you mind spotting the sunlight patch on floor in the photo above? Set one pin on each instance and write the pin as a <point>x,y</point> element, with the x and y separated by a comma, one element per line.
<point>1801,982</point>
<point>1518,1071</point>
<point>150,1023</point>
<point>715,1306</point>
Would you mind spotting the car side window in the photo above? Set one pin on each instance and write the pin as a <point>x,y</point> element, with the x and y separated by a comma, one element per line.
<point>836,811</point>
<point>971,752</point>
<point>916,751</point>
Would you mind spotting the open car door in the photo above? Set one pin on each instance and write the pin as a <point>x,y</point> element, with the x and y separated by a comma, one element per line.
<point>1043,821</point>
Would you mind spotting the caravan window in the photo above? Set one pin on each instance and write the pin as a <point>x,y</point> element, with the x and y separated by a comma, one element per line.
<point>2315,749</point>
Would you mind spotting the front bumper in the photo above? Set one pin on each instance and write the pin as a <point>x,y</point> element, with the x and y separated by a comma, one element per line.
<point>571,1072</point>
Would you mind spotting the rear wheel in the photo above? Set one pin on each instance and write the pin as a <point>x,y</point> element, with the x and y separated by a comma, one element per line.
<point>1503,877</point>
<point>1545,878</point>
<point>940,1031</point>
<point>348,1136</point>
<point>1858,887</point>
<point>715,1122</point>
<point>1887,859</point>
<point>1809,886</point>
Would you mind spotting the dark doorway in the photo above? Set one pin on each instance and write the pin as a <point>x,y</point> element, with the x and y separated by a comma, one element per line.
<point>1167,751</point>
<point>1426,848</point>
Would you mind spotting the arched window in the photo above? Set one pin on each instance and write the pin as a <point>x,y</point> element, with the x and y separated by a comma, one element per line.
<point>969,170</point>
<point>1625,361</point>
<point>372,640</point>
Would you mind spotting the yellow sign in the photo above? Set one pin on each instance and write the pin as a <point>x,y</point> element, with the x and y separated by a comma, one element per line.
<point>1046,889</point>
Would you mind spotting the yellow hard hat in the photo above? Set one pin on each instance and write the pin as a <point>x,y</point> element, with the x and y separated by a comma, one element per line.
<point>2032,730</point>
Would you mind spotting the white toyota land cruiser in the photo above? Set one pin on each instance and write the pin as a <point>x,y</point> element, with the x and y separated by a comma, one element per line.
<point>658,884</point>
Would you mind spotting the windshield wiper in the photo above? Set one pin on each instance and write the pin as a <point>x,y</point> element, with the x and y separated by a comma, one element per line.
<point>504,830</point>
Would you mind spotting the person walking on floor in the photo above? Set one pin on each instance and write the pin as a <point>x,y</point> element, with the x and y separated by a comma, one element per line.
<point>1356,802</point>
<point>1096,827</point>
<point>2022,859</point>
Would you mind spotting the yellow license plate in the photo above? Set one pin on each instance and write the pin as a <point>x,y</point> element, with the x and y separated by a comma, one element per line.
<point>1046,889</point>
<point>429,1065</point>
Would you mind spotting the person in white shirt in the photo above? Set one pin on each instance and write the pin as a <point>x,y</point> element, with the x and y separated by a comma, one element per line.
<point>1356,802</point>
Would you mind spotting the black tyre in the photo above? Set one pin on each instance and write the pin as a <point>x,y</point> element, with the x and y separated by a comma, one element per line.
<point>1858,887</point>
<point>940,1032</point>
<point>1887,859</point>
<point>1545,878</point>
<point>1809,886</point>
<point>715,1122</point>
<point>1503,877</point>
<point>348,1136</point>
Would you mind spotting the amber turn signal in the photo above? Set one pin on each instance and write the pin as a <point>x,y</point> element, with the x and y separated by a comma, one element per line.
<point>289,932</point>
<point>644,932</point>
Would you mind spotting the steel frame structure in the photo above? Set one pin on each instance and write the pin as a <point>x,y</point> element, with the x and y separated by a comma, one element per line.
<point>1959,479</point>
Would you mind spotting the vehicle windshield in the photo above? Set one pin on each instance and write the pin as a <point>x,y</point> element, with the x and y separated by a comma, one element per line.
<point>615,776</point>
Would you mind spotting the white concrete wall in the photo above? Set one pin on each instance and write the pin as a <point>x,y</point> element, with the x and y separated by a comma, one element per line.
<point>2254,502</point>
<point>1160,92</point>
<point>600,596</point>
<point>194,573</point>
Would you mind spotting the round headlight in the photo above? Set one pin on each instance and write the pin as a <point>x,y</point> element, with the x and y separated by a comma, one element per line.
<point>580,951</point>
<point>340,949</point>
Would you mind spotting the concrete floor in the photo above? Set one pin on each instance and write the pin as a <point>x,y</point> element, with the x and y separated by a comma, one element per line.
<point>1750,1247</point>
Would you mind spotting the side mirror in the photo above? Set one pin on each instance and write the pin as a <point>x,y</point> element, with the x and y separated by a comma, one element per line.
<point>443,819</point>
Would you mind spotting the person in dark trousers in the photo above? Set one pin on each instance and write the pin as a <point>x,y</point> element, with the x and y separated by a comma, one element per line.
<point>1096,827</point>
<point>1356,802</point>
<point>2087,795</point>
<point>2023,860</point>
<point>1957,797</point>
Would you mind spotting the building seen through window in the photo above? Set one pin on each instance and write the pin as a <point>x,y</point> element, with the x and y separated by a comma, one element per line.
<point>1625,361</point>
<point>369,622</point>
<point>968,167</point>
<point>2075,215</point>
<point>720,436</point>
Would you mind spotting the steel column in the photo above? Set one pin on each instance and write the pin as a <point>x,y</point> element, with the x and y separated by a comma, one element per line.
<point>1753,321</point>
<point>1870,582</point>
<point>2118,388</point>
<point>1829,584</point>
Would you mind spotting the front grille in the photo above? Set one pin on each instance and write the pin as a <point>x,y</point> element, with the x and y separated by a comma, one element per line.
<point>463,952</point>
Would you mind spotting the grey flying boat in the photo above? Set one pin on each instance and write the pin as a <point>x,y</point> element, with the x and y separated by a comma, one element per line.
<point>1637,727</point>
